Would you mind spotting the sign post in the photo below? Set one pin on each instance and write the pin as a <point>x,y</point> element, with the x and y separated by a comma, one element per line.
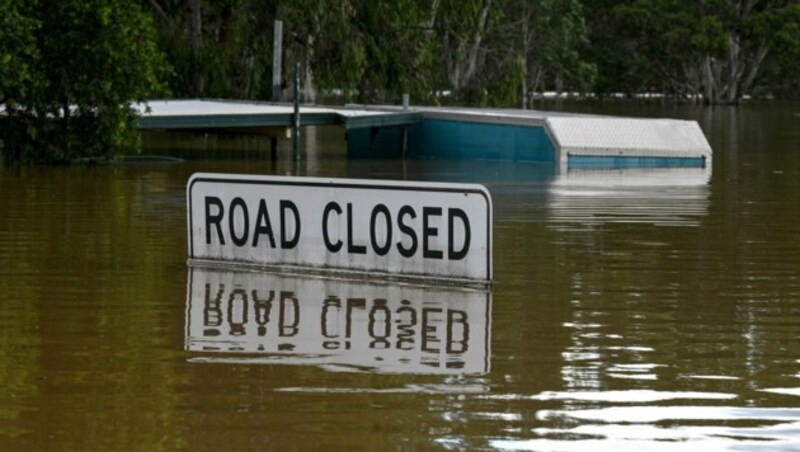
<point>347,227</point>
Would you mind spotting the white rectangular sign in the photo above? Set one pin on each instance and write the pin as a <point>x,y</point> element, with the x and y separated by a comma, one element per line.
<point>399,229</point>
<point>258,317</point>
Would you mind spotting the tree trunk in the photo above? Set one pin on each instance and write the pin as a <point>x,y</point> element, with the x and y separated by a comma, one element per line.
<point>309,92</point>
<point>65,126</point>
<point>309,53</point>
<point>755,68</point>
<point>524,59</point>
<point>196,44</point>
<point>709,87</point>
<point>462,62</point>
<point>450,58</point>
<point>734,74</point>
<point>244,90</point>
<point>477,38</point>
<point>431,21</point>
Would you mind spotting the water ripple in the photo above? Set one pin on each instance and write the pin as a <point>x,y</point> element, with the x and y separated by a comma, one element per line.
<point>621,396</point>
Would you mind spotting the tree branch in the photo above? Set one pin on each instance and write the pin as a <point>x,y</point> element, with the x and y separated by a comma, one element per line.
<point>160,12</point>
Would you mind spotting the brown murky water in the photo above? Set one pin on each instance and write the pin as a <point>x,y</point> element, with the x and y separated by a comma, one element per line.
<point>632,310</point>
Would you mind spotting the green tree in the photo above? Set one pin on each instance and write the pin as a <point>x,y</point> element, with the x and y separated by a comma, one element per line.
<point>545,41</point>
<point>315,31</point>
<point>462,30</point>
<point>218,48</point>
<point>495,52</point>
<point>17,50</point>
<point>68,89</point>
<point>781,74</point>
<point>714,50</point>
<point>375,49</point>
<point>484,52</point>
<point>501,52</point>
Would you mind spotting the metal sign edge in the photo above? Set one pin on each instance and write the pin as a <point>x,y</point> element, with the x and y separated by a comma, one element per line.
<point>349,183</point>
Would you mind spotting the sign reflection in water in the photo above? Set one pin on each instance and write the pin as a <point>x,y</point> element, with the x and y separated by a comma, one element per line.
<point>252,317</point>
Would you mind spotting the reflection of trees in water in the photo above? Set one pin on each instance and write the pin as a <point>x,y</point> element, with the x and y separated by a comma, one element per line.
<point>81,267</point>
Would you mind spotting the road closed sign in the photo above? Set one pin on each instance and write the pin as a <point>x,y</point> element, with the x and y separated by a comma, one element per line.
<point>392,229</point>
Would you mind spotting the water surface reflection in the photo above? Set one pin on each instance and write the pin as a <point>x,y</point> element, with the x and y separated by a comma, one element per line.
<point>659,196</point>
<point>671,326</point>
<point>341,325</point>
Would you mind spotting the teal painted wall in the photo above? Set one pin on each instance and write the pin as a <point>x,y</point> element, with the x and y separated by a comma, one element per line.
<point>446,139</point>
<point>375,142</point>
<point>436,138</point>
<point>481,141</point>
<point>587,161</point>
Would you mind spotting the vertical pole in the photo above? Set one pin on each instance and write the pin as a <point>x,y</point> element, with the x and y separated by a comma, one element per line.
<point>196,42</point>
<point>277,51</point>
<point>296,117</point>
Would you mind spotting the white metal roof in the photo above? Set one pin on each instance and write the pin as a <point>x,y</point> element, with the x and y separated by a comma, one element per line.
<point>199,107</point>
<point>611,136</point>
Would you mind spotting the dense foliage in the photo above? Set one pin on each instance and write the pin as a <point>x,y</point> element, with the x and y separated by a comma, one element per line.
<point>69,68</point>
<point>714,50</point>
<point>486,52</point>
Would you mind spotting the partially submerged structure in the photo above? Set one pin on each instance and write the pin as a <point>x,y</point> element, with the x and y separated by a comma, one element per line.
<point>567,140</point>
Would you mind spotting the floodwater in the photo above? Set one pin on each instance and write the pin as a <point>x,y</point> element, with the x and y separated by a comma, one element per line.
<point>632,310</point>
